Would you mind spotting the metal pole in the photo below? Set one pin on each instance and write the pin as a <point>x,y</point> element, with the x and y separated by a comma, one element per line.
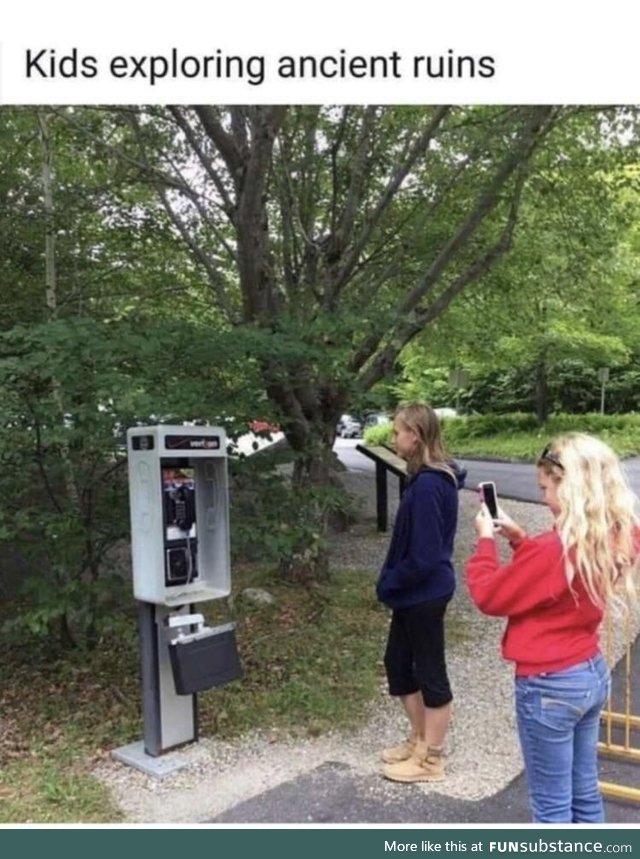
<point>151,716</point>
<point>381,495</point>
<point>602,398</point>
<point>169,719</point>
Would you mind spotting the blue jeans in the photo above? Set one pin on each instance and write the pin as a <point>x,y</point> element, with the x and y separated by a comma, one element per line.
<point>558,722</point>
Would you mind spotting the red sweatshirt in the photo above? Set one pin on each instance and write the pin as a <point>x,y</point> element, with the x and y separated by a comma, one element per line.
<point>549,627</point>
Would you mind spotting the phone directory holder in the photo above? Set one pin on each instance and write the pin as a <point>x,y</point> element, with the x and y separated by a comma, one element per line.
<point>178,489</point>
<point>202,659</point>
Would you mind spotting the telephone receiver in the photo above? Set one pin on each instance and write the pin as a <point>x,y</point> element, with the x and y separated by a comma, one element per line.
<point>185,508</point>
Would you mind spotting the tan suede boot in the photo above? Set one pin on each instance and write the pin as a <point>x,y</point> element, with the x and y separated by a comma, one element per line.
<point>425,764</point>
<point>401,752</point>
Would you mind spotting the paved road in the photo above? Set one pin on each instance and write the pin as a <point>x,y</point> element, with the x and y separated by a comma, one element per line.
<point>515,480</point>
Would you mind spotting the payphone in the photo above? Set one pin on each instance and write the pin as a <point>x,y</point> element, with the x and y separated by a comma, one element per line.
<point>179,514</point>
<point>178,490</point>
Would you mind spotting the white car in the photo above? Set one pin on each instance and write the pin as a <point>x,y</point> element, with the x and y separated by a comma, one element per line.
<point>377,418</point>
<point>349,427</point>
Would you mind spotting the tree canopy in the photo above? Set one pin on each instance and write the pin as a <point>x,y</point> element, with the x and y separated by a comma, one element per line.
<point>222,263</point>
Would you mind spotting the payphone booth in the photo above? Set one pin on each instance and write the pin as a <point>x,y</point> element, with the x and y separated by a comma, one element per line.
<point>180,554</point>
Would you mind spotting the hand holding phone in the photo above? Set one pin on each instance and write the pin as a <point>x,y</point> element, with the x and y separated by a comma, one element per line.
<point>490,497</point>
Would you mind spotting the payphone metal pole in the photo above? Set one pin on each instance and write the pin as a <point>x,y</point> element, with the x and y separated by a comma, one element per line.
<point>169,720</point>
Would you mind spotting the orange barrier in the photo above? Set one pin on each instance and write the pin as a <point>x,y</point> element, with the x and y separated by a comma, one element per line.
<point>620,731</point>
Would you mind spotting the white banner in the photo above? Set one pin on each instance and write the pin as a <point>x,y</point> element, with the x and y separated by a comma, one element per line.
<point>428,52</point>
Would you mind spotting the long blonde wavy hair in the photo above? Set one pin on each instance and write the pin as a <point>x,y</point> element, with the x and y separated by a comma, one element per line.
<point>430,450</point>
<point>598,519</point>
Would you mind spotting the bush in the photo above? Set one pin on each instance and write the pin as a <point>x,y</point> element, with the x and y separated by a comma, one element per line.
<point>275,523</point>
<point>378,434</point>
<point>518,435</point>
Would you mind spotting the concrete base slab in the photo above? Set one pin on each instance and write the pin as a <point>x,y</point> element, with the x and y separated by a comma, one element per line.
<point>135,756</point>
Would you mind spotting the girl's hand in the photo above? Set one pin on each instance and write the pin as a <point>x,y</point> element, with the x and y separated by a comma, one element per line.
<point>508,528</point>
<point>484,523</point>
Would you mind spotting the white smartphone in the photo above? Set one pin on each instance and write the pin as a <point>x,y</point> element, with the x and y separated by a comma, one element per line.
<point>490,497</point>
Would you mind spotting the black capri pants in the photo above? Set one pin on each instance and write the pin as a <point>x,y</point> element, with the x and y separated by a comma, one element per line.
<point>414,659</point>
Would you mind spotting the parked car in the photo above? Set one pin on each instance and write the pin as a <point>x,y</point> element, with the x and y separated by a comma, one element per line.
<point>375,419</point>
<point>446,412</point>
<point>349,427</point>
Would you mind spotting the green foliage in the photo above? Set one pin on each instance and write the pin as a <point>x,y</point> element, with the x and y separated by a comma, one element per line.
<point>70,388</point>
<point>573,386</point>
<point>378,434</point>
<point>478,426</point>
<point>274,523</point>
<point>564,296</point>
<point>518,436</point>
<point>421,383</point>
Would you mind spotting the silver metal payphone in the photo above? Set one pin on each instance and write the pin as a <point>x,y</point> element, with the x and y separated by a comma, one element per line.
<point>179,508</point>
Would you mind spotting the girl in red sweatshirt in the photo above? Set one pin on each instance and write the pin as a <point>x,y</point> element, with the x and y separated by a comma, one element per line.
<point>553,593</point>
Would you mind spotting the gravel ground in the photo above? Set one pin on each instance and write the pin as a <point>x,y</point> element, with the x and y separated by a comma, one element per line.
<point>482,747</point>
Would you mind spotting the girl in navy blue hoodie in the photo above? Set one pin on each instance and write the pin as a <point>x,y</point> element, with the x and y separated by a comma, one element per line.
<point>416,582</point>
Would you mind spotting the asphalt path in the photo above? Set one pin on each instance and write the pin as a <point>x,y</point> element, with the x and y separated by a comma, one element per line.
<point>515,480</point>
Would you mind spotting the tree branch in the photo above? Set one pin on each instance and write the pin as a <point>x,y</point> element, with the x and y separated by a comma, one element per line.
<point>192,139</point>
<point>356,184</point>
<point>419,147</point>
<point>536,127</point>
<point>222,140</point>
<point>418,321</point>
<point>215,278</point>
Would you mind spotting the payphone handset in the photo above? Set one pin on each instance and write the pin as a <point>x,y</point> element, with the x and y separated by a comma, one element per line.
<point>181,548</point>
<point>178,484</point>
<point>185,509</point>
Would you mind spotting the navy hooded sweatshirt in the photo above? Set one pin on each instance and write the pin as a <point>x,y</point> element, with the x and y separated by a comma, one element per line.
<point>418,566</point>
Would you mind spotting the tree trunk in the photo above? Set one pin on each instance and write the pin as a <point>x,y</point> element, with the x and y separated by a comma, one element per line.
<point>63,574</point>
<point>51,291</point>
<point>318,502</point>
<point>541,391</point>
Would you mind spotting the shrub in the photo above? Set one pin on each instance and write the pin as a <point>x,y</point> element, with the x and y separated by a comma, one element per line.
<point>519,436</point>
<point>378,434</point>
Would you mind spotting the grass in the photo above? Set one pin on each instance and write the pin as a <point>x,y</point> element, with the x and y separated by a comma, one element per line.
<point>46,791</point>
<point>311,662</point>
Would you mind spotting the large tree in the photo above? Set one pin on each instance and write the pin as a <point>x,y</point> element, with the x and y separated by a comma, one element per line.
<point>332,236</point>
<point>326,239</point>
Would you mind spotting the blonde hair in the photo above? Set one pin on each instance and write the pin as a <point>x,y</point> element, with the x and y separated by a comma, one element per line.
<point>424,423</point>
<point>598,520</point>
